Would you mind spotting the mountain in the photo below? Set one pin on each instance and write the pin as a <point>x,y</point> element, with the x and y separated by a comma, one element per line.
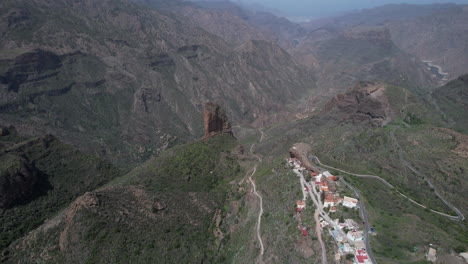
<point>434,33</point>
<point>40,176</point>
<point>451,99</point>
<point>162,210</point>
<point>118,71</point>
<point>343,56</point>
<point>104,157</point>
<point>439,38</point>
<point>388,131</point>
<point>379,16</point>
<point>369,52</point>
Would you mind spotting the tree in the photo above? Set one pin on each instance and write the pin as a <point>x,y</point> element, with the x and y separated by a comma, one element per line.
<point>349,256</point>
<point>341,219</point>
<point>460,249</point>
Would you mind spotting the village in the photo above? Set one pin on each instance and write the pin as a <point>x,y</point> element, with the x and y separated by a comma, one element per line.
<point>321,187</point>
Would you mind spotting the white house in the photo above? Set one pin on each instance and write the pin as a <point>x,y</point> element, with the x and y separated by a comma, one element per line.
<point>355,235</point>
<point>327,174</point>
<point>350,202</point>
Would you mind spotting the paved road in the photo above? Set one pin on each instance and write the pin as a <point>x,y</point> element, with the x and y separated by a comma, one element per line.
<point>363,213</point>
<point>409,166</point>
<point>459,217</point>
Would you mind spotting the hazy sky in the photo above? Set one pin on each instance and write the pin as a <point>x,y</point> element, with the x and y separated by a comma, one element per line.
<point>327,7</point>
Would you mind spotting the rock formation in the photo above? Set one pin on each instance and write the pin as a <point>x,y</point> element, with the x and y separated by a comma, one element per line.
<point>216,121</point>
<point>365,103</point>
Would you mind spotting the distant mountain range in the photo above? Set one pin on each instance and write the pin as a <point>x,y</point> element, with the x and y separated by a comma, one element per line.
<point>104,158</point>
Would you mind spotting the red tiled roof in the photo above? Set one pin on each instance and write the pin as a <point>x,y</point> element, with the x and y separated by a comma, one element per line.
<point>361,259</point>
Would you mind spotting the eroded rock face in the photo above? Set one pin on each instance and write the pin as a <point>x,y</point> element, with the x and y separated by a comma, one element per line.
<point>216,121</point>
<point>86,201</point>
<point>366,102</point>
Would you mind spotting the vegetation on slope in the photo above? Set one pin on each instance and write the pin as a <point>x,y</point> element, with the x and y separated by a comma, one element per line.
<point>163,210</point>
<point>412,135</point>
<point>63,173</point>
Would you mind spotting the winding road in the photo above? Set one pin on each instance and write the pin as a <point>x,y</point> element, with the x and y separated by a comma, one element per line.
<point>431,185</point>
<point>259,220</point>
<point>364,217</point>
<point>459,217</point>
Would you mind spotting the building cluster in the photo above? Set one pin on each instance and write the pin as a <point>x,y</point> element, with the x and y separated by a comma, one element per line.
<point>350,240</point>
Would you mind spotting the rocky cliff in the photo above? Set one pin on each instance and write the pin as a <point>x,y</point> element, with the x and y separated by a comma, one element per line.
<point>365,103</point>
<point>342,56</point>
<point>125,81</point>
<point>215,120</point>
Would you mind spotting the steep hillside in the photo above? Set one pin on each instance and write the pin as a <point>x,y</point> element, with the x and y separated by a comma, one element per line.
<point>162,210</point>
<point>342,57</point>
<point>452,100</point>
<point>39,177</point>
<point>116,71</point>
<point>440,37</point>
<point>435,32</point>
<point>380,15</point>
<point>388,131</point>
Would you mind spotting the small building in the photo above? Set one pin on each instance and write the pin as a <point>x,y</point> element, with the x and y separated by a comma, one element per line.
<point>331,185</point>
<point>317,179</point>
<point>355,235</point>
<point>330,176</point>
<point>337,257</point>
<point>304,232</point>
<point>333,178</point>
<point>333,209</point>
<point>330,200</point>
<point>350,202</point>
<point>323,185</point>
<point>323,223</point>
<point>300,205</point>
<point>351,223</point>
<point>361,257</point>
<point>431,255</point>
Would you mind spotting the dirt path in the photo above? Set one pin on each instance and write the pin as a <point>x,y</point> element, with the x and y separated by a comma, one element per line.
<point>318,230</point>
<point>259,220</point>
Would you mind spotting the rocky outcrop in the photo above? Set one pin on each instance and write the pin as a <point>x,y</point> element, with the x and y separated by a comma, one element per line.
<point>88,200</point>
<point>365,103</point>
<point>301,152</point>
<point>216,121</point>
<point>17,182</point>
